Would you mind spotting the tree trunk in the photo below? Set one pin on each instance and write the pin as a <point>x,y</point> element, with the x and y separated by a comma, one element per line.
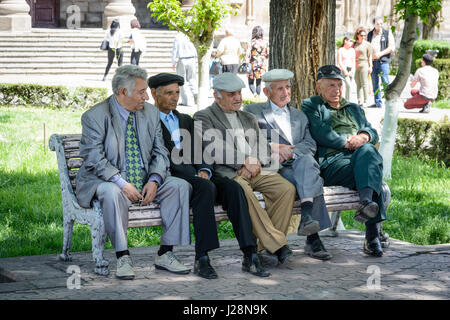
<point>302,39</point>
<point>428,29</point>
<point>393,92</point>
<point>203,79</point>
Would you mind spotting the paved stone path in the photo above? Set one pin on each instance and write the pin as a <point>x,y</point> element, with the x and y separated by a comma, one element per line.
<point>405,271</point>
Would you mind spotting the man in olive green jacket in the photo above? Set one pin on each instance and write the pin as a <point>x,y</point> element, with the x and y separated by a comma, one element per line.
<point>346,150</point>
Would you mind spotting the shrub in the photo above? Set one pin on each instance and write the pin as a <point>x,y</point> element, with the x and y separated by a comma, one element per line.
<point>420,47</point>
<point>50,96</point>
<point>424,138</point>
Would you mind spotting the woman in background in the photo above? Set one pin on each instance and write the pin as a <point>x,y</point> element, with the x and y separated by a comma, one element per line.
<point>346,59</point>
<point>258,53</point>
<point>363,50</point>
<point>114,37</point>
<point>138,43</point>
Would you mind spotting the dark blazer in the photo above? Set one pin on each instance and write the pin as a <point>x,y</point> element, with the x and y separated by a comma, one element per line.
<point>102,147</point>
<point>193,161</point>
<point>321,130</point>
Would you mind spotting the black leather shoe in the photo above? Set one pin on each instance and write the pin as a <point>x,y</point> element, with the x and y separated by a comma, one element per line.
<point>203,268</point>
<point>366,210</point>
<point>317,250</point>
<point>253,265</point>
<point>283,253</point>
<point>307,225</point>
<point>373,247</point>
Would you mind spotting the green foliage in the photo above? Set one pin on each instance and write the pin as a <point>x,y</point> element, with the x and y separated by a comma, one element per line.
<point>50,96</point>
<point>423,138</point>
<point>421,8</point>
<point>421,46</point>
<point>443,66</point>
<point>198,23</point>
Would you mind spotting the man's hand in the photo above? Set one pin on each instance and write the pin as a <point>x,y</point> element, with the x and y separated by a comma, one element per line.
<point>283,150</point>
<point>253,166</point>
<point>149,192</point>
<point>244,173</point>
<point>203,174</point>
<point>174,67</point>
<point>354,142</point>
<point>131,192</point>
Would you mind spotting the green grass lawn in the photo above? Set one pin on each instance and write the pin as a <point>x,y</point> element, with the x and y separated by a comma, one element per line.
<point>30,199</point>
<point>441,104</point>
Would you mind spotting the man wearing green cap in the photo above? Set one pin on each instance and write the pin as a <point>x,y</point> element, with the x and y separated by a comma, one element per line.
<point>287,130</point>
<point>346,150</point>
<point>233,142</point>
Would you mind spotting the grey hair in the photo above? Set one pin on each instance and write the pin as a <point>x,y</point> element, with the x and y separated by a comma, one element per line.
<point>268,84</point>
<point>125,77</point>
<point>219,95</point>
<point>376,18</point>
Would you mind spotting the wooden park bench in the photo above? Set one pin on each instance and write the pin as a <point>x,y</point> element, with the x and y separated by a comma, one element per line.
<point>68,156</point>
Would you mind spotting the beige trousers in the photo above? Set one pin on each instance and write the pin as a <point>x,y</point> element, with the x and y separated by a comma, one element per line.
<point>270,225</point>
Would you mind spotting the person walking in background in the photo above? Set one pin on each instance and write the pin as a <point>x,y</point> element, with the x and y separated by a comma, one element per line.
<point>383,44</point>
<point>138,43</point>
<point>184,58</point>
<point>428,77</point>
<point>229,52</point>
<point>346,59</point>
<point>115,38</point>
<point>363,56</point>
<point>258,54</point>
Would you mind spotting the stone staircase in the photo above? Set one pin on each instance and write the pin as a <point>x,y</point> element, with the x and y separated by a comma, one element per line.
<point>47,52</point>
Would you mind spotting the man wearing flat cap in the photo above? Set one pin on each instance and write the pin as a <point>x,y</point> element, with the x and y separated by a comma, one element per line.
<point>207,187</point>
<point>125,162</point>
<point>240,152</point>
<point>346,151</point>
<point>288,134</point>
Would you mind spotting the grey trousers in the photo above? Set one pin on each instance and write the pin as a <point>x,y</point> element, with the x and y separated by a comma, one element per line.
<point>304,174</point>
<point>187,69</point>
<point>173,196</point>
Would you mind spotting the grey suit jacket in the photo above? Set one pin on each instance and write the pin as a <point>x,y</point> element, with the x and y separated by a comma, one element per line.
<point>213,127</point>
<point>102,147</point>
<point>302,139</point>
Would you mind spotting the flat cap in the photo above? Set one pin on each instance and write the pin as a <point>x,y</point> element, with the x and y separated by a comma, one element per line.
<point>277,75</point>
<point>228,82</point>
<point>329,71</point>
<point>164,79</point>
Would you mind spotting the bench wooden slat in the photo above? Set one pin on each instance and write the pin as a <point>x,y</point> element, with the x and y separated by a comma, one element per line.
<point>74,163</point>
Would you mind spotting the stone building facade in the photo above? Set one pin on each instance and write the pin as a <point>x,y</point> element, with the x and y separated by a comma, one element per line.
<point>22,15</point>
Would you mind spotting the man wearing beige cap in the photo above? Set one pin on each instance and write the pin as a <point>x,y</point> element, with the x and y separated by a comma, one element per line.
<point>240,152</point>
<point>288,134</point>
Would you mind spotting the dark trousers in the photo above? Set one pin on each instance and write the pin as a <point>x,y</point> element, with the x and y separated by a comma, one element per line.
<point>204,221</point>
<point>233,68</point>
<point>232,198</point>
<point>251,85</point>
<point>111,54</point>
<point>135,56</point>
<point>357,170</point>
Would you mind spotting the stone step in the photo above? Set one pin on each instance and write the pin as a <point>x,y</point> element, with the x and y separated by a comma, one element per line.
<point>70,52</point>
<point>90,71</point>
<point>153,52</point>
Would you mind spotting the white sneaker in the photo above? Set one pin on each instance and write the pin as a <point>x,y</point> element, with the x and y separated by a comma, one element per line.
<point>168,261</point>
<point>125,268</point>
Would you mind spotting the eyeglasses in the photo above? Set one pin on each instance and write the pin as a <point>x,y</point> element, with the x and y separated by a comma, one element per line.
<point>363,35</point>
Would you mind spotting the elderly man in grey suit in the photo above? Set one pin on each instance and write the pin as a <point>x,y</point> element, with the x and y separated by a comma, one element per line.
<point>287,130</point>
<point>125,161</point>
<point>233,143</point>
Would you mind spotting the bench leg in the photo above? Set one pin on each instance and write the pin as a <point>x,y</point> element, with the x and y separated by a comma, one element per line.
<point>67,241</point>
<point>336,224</point>
<point>98,246</point>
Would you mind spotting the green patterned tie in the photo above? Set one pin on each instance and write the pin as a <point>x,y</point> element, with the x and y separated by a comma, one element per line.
<point>133,156</point>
